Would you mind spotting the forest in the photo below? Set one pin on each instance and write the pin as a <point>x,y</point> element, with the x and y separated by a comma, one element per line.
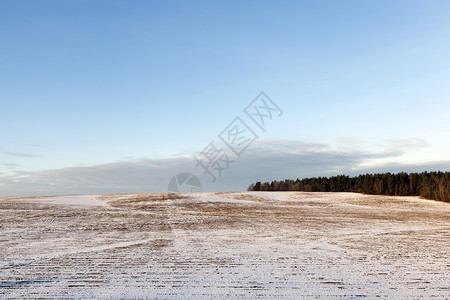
<point>429,185</point>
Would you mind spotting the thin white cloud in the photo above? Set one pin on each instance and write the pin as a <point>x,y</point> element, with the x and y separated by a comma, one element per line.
<point>10,165</point>
<point>17,154</point>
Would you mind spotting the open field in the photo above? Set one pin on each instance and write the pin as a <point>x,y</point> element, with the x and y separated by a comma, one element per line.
<point>235,245</point>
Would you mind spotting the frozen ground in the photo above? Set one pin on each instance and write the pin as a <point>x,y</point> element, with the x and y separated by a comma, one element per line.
<point>224,245</point>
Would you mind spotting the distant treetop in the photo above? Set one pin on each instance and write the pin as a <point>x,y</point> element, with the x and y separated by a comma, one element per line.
<point>429,185</point>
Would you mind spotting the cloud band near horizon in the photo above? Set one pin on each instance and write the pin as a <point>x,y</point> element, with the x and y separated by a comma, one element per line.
<point>264,161</point>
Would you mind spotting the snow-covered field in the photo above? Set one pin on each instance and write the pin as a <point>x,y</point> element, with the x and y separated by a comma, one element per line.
<point>224,245</point>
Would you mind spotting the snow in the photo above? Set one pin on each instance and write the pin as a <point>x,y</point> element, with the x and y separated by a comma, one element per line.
<point>224,245</point>
<point>76,200</point>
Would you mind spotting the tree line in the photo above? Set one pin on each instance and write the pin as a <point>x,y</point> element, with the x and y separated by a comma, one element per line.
<point>429,185</point>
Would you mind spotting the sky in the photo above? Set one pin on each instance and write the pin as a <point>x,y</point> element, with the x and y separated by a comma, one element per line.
<point>120,96</point>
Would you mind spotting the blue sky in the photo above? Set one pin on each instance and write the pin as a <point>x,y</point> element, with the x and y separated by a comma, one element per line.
<point>118,96</point>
